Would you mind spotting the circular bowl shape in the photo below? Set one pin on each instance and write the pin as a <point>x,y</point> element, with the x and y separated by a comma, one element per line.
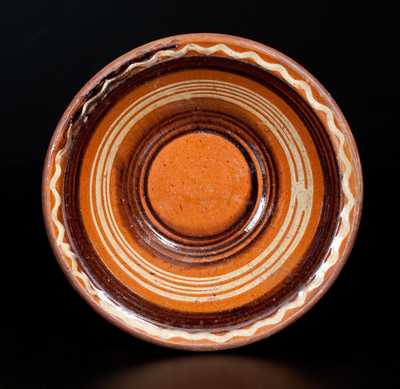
<point>202,191</point>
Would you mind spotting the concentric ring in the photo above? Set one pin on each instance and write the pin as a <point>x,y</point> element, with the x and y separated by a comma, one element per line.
<point>246,281</point>
<point>262,184</point>
<point>168,284</point>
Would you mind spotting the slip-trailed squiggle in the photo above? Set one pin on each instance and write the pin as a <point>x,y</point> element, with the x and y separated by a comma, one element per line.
<point>133,320</point>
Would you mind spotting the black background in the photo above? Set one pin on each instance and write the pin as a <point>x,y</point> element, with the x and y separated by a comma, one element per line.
<point>50,338</point>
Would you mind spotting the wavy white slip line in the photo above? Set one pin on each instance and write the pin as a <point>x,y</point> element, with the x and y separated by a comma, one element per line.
<point>260,274</point>
<point>162,333</point>
<point>65,247</point>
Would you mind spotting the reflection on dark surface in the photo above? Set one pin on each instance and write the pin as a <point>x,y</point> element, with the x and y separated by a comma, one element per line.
<point>205,371</point>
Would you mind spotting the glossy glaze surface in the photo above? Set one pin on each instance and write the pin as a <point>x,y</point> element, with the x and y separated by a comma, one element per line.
<point>202,191</point>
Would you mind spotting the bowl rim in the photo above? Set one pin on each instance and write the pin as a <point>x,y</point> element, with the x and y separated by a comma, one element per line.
<point>237,44</point>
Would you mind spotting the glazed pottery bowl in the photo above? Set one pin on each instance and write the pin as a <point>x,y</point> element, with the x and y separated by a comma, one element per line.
<point>202,191</point>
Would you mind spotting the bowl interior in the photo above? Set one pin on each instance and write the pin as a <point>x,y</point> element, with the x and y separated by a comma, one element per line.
<point>202,191</point>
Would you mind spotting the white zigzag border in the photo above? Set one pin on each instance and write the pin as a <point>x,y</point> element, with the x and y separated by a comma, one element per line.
<point>131,319</point>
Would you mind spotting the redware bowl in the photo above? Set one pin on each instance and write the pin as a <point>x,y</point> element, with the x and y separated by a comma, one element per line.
<point>202,191</point>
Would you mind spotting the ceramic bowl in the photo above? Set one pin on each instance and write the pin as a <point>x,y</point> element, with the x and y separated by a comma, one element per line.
<point>202,191</point>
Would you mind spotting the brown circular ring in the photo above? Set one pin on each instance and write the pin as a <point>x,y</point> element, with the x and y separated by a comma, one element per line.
<point>297,72</point>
